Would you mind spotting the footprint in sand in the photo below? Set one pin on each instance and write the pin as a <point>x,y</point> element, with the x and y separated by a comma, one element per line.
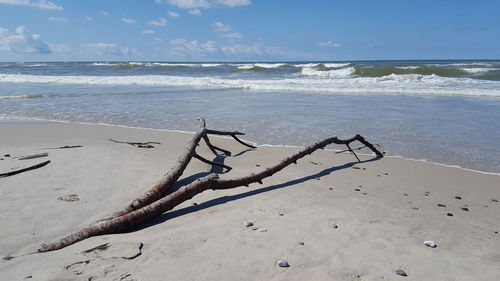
<point>69,198</point>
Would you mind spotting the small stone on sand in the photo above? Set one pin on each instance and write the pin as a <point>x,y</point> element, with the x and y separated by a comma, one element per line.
<point>301,243</point>
<point>465,209</point>
<point>247,223</point>
<point>458,197</point>
<point>442,205</point>
<point>449,215</point>
<point>335,226</point>
<point>282,263</point>
<point>401,272</point>
<point>494,200</point>
<point>357,189</point>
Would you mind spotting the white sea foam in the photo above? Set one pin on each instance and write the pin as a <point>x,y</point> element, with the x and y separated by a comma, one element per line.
<point>35,65</point>
<point>261,65</point>
<point>335,65</point>
<point>22,97</point>
<point>408,67</point>
<point>337,82</point>
<point>329,65</point>
<point>479,69</point>
<point>335,73</point>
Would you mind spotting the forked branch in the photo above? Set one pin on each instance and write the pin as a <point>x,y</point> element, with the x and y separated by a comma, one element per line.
<point>147,212</point>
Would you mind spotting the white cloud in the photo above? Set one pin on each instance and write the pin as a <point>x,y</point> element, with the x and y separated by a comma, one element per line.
<point>104,13</point>
<point>186,48</point>
<point>173,14</point>
<point>102,49</point>
<point>40,4</point>
<point>328,44</point>
<point>219,26</point>
<point>22,41</point>
<point>148,31</point>
<point>159,22</point>
<point>56,19</point>
<point>232,35</point>
<point>89,18</point>
<point>204,4</point>
<point>257,49</point>
<point>60,48</point>
<point>234,3</point>
<point>159,39</point>
<point>129,21</point>
<point>188,4</point>
<point>195,12</point>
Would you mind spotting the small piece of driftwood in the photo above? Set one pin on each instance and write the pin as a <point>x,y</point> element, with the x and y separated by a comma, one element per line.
<point>148,144</point>
<point>64,147</point>
<point>15,172</point>
<point>33,156</point>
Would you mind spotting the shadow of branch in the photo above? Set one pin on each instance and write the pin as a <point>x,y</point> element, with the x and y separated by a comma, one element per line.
<point>224,199</point>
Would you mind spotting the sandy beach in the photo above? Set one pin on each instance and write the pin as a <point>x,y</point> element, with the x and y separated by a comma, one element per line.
<point>329,217</point>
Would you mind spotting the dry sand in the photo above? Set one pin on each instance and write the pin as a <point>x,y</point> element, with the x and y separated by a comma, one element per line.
<point>330,217</point>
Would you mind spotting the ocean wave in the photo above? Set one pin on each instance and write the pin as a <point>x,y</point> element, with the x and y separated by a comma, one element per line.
<point>408,67</point>
<point>411,84</point>
<point>35,96</point>
<point>259,66</point>
<point>336,73</point>
<point>479,69</point>
<point>325,64</point>
<point>489,63</point>
<point>380,71</point>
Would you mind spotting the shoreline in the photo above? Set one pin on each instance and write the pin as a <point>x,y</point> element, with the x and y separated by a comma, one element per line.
<point>42,121</point>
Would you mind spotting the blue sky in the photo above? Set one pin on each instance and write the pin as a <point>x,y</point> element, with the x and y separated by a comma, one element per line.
<point>244,30</point>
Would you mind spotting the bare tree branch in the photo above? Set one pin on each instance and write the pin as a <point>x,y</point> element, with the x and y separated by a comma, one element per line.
<point>152,210</point>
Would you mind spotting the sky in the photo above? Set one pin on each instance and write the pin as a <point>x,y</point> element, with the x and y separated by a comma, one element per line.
<point>248,30</point>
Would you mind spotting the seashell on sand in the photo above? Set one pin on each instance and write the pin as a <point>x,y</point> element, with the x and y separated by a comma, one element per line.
<point>431,244</point>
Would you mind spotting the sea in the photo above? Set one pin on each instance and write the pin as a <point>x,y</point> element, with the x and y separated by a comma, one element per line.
<point>441,111</point>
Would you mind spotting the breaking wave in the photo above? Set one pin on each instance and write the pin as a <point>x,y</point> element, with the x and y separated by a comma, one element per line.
<point>337,81</point>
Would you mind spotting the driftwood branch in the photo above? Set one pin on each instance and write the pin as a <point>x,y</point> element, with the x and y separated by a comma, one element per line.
<point>15,172</point>
<point>33,156</point>
<point>152,204</point>
<point>161,188</point>
<point>148,144</point>
<point>64,147</point>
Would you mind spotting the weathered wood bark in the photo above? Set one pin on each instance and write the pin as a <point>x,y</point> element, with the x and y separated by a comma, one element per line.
<point>141,215</point>
<point>176,171</point>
